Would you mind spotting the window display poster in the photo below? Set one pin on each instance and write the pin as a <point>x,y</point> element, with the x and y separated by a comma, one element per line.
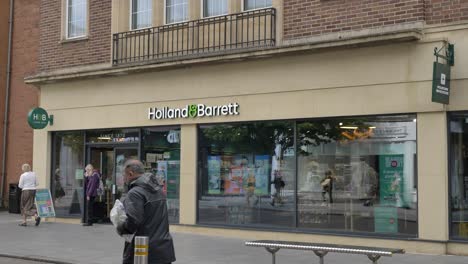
<point>214,174</point>
<point>151,157</point>
<point>391,178</point>
<point>234,184</point>
<point>44,204</point>
<point>262,169</point>
<point>386,219</point>
<point>173,171</point>
<point>161,174</point>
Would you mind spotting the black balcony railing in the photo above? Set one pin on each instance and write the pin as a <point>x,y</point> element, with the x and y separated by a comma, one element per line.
<point>247,30</point>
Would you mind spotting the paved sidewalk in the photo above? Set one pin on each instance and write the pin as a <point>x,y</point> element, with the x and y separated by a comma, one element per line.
<point>99,244</point>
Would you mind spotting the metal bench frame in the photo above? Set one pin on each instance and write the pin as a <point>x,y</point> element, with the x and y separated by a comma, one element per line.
<point>321,250</point>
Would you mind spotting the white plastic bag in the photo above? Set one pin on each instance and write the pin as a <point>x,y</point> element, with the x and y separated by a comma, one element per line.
<point>118,217</point>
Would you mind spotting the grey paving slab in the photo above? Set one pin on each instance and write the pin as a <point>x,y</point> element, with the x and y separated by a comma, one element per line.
<point>19,261</point>
<point>100,244</point>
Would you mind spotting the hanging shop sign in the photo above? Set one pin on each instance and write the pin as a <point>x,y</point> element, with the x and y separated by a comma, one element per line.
<point>192,111</point>
<point>441,83</point>
<point>38,118</point>
<point>441,74</point>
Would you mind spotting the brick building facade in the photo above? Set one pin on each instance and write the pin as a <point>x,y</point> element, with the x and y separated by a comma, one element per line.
<point>300,71</point>
<point>22,97</point>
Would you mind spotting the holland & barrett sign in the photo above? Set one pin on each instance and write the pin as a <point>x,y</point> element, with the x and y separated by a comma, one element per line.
<point>38,118</point>
<point>193,110</point>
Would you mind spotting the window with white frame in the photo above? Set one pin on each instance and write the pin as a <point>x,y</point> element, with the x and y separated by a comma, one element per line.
<point>176,11</point>
<point>255,4</point>
<point>141,14</point>
<point>76,18</point>
<point>215,7</point>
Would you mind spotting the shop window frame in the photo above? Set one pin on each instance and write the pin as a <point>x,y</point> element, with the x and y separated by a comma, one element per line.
<point>296,228</point>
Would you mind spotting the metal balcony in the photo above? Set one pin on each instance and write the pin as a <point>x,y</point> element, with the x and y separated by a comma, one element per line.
<point>198,38</point>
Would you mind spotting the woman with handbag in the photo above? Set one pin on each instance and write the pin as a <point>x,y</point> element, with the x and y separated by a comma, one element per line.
<point>28,184</point>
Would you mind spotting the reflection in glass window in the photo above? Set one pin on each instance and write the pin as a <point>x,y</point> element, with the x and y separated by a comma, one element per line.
<point>67,173</point>
<point>76,18</point>
<point>141,13</point>
<point>247,174</point>
<point>176,11</point>
<point>161,156</point>
<point>215,7</point>
<point>255,4</point>
<point>358,174</point>
<point>459,175</point>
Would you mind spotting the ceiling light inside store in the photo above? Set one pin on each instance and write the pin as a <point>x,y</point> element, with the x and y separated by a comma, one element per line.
<point>104,138</point>
<point>414,120</point>
<point>341,124</point>
<point>372,127</point>
<point>348,127</point>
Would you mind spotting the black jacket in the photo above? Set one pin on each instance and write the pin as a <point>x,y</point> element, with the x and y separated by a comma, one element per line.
<point>146,209</point>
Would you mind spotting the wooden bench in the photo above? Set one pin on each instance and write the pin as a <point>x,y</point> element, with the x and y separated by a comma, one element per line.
<point>373,253</point>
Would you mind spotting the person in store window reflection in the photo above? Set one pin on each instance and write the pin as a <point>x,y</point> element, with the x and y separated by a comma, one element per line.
<point>59,192</point>
<point>279,185</point>
<point>327,186</point>
<point>250,189</point>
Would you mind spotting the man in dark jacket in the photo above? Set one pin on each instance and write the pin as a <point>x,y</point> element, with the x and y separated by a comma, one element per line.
<point>147,215</point>
<point>91,184</point>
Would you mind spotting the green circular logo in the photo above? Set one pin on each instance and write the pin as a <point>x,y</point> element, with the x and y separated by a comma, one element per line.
<point>38,118</point>
<point>193,111</point>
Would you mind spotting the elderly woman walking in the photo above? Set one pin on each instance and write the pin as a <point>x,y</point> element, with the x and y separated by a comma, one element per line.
<point>28,184</point>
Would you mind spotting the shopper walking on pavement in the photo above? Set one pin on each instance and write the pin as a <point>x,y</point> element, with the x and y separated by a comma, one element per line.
<point>91,184</point>
<point>147,215</point>
<point>28,183</point>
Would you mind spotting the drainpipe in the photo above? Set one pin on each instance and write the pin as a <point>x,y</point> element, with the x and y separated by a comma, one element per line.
<point>7,96</point>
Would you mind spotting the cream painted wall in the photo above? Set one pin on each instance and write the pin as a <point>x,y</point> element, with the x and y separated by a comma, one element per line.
<point>42,144</point>
<point>188,175</point>
<point>432,176</point>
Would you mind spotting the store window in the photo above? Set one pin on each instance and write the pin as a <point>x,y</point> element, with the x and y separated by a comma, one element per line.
<point>67,173</point>
<point>247,174</point>
<point>358,174</point>
<point>458,129</point>
<point>215,7</point>
<point>176,11</point>
<point>255,4</point>
<point>141,13</point>
<point>161,156</point>
<point>76,18</point>
<point>352,175</point>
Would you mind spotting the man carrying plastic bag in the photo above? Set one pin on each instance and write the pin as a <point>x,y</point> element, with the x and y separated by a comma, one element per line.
<point>118,217</point>
<point>146,214</point>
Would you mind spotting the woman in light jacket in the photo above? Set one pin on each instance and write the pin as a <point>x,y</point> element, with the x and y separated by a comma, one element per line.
<point>28,184</point>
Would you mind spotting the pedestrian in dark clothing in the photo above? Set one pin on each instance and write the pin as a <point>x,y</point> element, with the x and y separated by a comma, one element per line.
<point>146,210</point>
<point>91,184</point>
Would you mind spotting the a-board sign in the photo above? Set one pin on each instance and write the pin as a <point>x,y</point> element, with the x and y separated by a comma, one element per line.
<point>44,203</point>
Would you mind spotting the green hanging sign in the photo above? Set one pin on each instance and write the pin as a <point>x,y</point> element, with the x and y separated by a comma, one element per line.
<point>441,83</point>
<point>38,118</point>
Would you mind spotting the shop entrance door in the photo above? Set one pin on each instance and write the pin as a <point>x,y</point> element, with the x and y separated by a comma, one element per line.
<point>109,162</point>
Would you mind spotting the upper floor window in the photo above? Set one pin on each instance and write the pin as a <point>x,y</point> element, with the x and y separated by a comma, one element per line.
<point>141,14</point>
<point>176,11</point>
<point>215,7</point>
<point>255,4</point>
<point>76,18</point>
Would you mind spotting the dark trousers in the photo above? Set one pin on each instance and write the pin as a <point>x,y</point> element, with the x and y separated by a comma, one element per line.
<point>90,209</point>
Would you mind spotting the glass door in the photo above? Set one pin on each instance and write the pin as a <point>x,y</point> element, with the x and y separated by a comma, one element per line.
<point>121,156</point>
<point>102,159</point>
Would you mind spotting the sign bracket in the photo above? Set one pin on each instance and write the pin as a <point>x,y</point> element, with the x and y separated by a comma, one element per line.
<point>449,56</point>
